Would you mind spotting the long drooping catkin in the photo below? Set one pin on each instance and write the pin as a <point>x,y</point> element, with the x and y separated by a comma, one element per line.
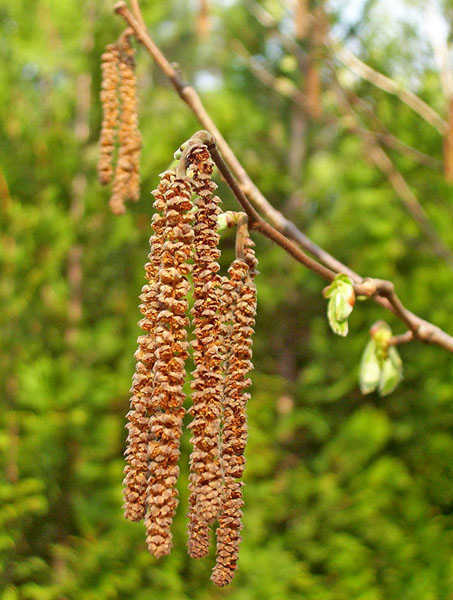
<point>223,318</point>
<point>207,385</point>
<point>136,471</point>
<point>171,351</point>
<point>126,184</point>
<point>240,294</point>
<point>110,112</point>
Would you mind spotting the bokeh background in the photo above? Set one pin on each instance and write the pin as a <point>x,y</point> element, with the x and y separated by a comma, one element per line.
<point>347,497</point>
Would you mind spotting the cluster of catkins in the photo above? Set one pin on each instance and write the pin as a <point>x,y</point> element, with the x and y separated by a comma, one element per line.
<point>120,137</point>
<point>185,240</point>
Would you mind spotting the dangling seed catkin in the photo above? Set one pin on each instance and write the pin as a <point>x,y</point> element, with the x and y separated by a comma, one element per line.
<point>207,385</point>
<point>171,351</point>
<point>239,293</point>
<point>126,184</point>
<point>110,112</point>
<point>136,471</point>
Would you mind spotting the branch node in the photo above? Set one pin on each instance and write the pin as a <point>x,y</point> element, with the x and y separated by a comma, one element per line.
<point>367,287</point>
<point>120,7</point>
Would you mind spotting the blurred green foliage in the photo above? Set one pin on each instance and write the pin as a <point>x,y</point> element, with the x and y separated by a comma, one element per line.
<point>347,497</point>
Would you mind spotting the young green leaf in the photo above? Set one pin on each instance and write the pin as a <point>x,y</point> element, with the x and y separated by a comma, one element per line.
<point>338,327</point>
<point>391,373</point>
<point>370,369</point>
<point>222,223</point>
<point>381,366</point>
<point>341,302</point>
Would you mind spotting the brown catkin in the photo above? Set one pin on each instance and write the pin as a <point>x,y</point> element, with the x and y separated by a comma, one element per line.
<point>171,351</point>
<point>207,386</point>
<point>126,184</point>
<point>239,296</point>
<point>136,471</point>
<point>110,112</point>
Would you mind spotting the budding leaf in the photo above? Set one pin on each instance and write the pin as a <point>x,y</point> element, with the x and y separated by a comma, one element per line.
<point>222,223</point>
<point>338,327</point>
<point>370,369</point>
<point>178,154</point>
<point>341,302</point>
<point>381,366</point>
<point>391,373</point>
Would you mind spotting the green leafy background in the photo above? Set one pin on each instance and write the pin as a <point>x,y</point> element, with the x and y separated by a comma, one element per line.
<point>346,497</point>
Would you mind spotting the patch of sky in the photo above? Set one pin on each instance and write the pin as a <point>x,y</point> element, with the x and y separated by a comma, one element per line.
<point>207,81</point>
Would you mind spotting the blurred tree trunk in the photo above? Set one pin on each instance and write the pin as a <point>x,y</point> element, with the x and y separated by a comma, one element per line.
<point>448,144</point>
<point>203,25</point>
<point>308,30</point>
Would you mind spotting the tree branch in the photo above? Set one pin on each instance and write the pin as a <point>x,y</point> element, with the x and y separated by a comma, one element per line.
<point>138,13</point>
<point>382,291</point>
<point>381,160</point>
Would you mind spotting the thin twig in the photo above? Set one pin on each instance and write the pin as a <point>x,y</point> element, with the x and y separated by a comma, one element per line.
<point>287,88</point>
<point>389,85</point>
<point>403,338</point>
<point>282,86</point>
<point>138,13</point>
<point>242,233</point>
<point>383,135</point>
<point>382,291</point>
<point>395,178</point>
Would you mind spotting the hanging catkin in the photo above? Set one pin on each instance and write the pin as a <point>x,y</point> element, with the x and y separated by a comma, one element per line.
<point>136,471</point>
<point>207,385</point>
<point>171,351</point>
<point>223,319</point>
<point>110,112</point>
<point>126,184</point>
<point>239,293</point>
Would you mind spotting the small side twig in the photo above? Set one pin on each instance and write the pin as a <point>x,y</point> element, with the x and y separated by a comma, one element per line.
<point>403,338</point>
<point>242,233</point>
